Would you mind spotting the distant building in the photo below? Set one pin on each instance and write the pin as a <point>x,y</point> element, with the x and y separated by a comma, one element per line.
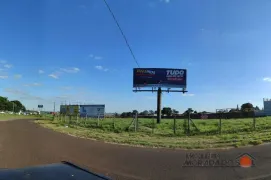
<point>94,110</point>
<point>267,106</point>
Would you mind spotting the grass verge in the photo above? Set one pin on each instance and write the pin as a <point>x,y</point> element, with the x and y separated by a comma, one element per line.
<point>148,139</point>
<point>5,117</point>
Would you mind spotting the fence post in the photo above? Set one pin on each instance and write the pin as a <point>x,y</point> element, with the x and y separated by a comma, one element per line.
<point>254,121</point>
<point>188,130</point>
<point>153,124</point>
<point>98,120</point>
<point>174,126</point>
<point>136,122</point>
<point>86,120</point>
<point>220,124</point>
<point>113,122</point>
<point>77,121</point>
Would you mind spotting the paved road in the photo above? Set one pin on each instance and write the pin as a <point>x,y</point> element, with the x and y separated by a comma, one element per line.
<point>24,143</point>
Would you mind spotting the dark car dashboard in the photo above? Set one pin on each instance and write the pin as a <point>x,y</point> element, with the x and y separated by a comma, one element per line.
<point>60,171</point>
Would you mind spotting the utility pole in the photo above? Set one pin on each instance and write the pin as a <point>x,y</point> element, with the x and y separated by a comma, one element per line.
<point>54,107</point>
<point>159,94</point>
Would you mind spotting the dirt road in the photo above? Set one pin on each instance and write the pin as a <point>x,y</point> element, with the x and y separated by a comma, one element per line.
<point>24,143</point>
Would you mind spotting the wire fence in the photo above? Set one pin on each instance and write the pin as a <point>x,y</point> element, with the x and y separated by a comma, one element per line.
<point>167,127</point>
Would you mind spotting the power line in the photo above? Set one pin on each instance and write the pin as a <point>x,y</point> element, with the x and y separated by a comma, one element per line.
<point>121,32</point>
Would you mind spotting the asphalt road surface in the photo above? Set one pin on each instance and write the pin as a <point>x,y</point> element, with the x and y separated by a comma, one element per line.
<point>24,143</point>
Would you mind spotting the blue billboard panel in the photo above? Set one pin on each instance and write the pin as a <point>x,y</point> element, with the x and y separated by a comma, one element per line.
<point>94,111</point>
<point>159,77</point>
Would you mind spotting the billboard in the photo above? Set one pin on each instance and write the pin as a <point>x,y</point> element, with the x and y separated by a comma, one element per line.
<point>159,77</point>
<point>92,110</point>
<point>70,109</point>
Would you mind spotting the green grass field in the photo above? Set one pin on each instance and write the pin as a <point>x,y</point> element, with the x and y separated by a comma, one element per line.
<point>4,117</point>
<point>235,132</point>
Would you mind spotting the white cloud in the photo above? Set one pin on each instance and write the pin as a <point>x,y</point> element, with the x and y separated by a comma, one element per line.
<point>8,66</point>
<point>3,61</point>
<point>37,84</point>
<point>98,57</point>
<point>61,97</point>
<point>61,71</point>
<point>41,71</point>
<point>268,79</point>
<point>95,57</point>
<point>18,76</point>
<point>3,77</point>
<point>66,87</point>
<point>101,68</point>
<point>165,1</point>
<point>15,91</point>
<point>70,70</point>
<point>55,76</point>
<point>187,94</point>
<point>33,84</point>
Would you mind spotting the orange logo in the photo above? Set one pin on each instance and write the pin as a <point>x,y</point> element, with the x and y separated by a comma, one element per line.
<point>246,160</point>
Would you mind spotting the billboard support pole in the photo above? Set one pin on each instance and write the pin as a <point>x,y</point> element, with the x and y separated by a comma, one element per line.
<point>159,96</point>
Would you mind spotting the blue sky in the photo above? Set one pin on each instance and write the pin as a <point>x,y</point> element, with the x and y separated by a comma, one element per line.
<point>67,50</point>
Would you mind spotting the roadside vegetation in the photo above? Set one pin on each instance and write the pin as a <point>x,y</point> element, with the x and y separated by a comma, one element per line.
<point>234,132</point>
<point>4,117</point>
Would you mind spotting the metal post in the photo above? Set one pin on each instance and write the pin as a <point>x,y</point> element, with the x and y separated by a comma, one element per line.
<point>98,120</point>
<point>188,123</point>
<point>114,123</point>
<point>159,96</point>
<point>153,125</point>
<point>86,120</point>
<point>174,125</point>
<point>77,121</point>
<point>220,125</point>
<point>254,121</point>
<point>136,122</point>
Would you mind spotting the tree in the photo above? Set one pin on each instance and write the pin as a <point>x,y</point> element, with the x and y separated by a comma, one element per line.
<point>167,111</point>
<point>145,113</point>
<point>257,108</point>
<point>189,110</point>
<point>6,105</point>
<point>174,111</point>
<point>18,106</point>
<point>195,112</point>
<point>129,114</point>
<point>135,112</point>
<point>247,107</point>
<point>151,112</point>
<point>124,114</point>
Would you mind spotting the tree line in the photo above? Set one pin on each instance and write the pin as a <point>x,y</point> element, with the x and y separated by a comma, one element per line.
<point>15,105</point>
<point>246,107</point>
